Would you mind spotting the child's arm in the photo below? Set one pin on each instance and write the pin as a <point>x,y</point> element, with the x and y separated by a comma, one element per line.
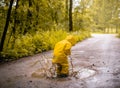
<point>67,49</point>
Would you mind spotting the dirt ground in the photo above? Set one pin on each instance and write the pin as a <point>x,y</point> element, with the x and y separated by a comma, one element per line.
<point>97,59</point>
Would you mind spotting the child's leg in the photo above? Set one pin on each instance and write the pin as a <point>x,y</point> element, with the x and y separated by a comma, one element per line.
<point>65,69</point>
<point>59,68</point>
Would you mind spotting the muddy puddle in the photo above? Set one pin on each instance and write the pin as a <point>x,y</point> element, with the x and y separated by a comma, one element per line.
<point>85,73</point>
<point>80,74</point>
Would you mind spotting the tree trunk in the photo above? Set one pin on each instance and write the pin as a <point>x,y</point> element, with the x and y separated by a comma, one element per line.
<point>15,18</point>
<point>6,26</point>
<point>29,20</point>
<point>66,14</point>
<point>16,21</point>
<point>70,16</point>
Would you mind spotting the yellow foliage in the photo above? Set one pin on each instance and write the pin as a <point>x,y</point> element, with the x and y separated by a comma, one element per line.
<point>39,42</point>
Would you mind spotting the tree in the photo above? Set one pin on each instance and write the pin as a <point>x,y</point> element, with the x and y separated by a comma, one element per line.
<point>81,15</point>
<point>6,25</point>
<point>104,13</point>
<point>70,16</point>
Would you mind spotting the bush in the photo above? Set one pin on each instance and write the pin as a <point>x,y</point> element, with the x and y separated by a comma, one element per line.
<point>39,42</point>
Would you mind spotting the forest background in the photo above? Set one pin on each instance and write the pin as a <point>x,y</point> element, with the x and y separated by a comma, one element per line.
<point>28,27</point>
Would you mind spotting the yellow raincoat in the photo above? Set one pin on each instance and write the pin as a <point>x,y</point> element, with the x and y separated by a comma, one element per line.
<point>61,51</point>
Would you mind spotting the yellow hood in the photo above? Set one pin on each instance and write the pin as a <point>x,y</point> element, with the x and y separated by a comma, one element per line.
<point>71,39</point>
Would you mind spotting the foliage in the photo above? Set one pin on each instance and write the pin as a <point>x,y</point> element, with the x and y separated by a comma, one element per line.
<point>3,11</point>
<point>39,42</point>
<point>104,13</point>
<point>36,25</point>
<point>82,22</point>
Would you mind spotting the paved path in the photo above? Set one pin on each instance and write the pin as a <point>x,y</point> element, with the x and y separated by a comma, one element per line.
<point>98,59</point>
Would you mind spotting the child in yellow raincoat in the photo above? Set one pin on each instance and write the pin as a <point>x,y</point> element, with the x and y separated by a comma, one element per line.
<point>61,50</point>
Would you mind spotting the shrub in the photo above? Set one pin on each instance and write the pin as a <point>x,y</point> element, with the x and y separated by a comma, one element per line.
<point>39,42</point>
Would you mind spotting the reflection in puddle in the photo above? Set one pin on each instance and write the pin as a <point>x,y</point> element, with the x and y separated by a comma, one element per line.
<point>85,73</point>
<point>81,74</point>
<point>37,75</point>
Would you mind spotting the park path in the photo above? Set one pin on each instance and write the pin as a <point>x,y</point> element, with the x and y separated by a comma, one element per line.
<point>97,58</point>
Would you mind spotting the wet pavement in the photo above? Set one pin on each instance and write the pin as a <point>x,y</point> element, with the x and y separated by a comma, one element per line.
<point>97,61</point>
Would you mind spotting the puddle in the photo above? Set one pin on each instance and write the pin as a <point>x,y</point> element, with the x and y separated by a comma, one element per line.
<point>85,73</point>
<point>80,74</point>
<point>37,75</point>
